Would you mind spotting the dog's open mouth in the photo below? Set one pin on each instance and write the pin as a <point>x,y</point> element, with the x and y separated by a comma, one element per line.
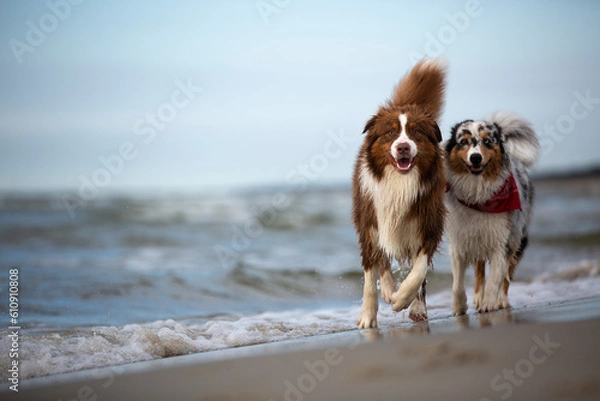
<point>476,169</point>
<point>403,164</point>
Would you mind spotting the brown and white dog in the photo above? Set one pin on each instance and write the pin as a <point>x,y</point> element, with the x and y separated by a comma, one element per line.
<point>489,199</point>
<point>398,192</point>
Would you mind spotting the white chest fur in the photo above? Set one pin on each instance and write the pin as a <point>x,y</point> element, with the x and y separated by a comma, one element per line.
<point>392,198</point>
<point>475,235</point>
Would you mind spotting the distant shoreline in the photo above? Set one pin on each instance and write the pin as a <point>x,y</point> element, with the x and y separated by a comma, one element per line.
<point>587,172</point>
<point>591,172</point>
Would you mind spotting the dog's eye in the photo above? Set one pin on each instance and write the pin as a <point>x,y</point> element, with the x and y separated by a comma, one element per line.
<point>488,142</point>
<point>464,142</point>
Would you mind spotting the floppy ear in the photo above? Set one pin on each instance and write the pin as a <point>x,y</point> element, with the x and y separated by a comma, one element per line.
<point>433,132</point>
<point>451,143</point>
<point>371,123</point>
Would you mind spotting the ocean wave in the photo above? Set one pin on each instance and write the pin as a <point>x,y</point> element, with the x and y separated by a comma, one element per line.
<point>171,220</point>
<point>85,348</point>
<point>585,269</point>
<point>570,240</point>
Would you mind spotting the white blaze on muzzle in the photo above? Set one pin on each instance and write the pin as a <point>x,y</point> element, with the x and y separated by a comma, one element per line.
<point>403,139</point>
<point>475,150</point>
<point>403,149</point>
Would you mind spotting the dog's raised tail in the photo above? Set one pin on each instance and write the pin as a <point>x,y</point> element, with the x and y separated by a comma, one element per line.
<point>520,140</point>
<point>424,86</point>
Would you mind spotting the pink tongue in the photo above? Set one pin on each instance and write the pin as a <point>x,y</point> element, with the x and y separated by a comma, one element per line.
<point>404,163</point>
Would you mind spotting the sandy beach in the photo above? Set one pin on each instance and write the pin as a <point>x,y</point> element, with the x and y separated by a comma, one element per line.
<point>545,353</point>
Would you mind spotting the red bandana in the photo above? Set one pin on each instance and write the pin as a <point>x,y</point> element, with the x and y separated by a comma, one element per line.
<point>505,199</point>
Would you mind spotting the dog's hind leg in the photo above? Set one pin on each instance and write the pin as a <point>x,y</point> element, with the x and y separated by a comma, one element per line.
<point>498,273</point>
<point>503,297</point>
<point>459,302</point>
<point>386,281</point>
<point>418,308</point>
<point>412,283</point>
<point>479,283</point>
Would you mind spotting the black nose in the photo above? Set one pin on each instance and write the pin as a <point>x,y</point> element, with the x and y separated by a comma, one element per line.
<point>403,149</point>
<point>476,159</point>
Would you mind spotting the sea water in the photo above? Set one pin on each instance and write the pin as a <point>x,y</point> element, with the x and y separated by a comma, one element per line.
<point>132,277</point>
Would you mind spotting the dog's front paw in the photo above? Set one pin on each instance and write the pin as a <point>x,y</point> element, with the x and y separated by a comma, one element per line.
<point>367,320</point>
<point>418,311</point>
<point>400,301</point>
<point>368,312</point>
<point>487,306</point>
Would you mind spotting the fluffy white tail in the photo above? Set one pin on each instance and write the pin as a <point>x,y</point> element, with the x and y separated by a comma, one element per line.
<point>520,141</point>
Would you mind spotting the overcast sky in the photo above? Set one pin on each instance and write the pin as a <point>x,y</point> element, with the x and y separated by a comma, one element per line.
<point>197,94</point>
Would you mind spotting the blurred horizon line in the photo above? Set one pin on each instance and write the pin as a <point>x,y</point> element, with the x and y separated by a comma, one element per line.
<point>115,190</point>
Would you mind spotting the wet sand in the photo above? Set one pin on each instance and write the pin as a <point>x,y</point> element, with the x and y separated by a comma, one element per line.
<point>546,353</point>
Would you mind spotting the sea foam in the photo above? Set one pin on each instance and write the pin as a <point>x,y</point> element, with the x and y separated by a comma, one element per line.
<point>86,348</point>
